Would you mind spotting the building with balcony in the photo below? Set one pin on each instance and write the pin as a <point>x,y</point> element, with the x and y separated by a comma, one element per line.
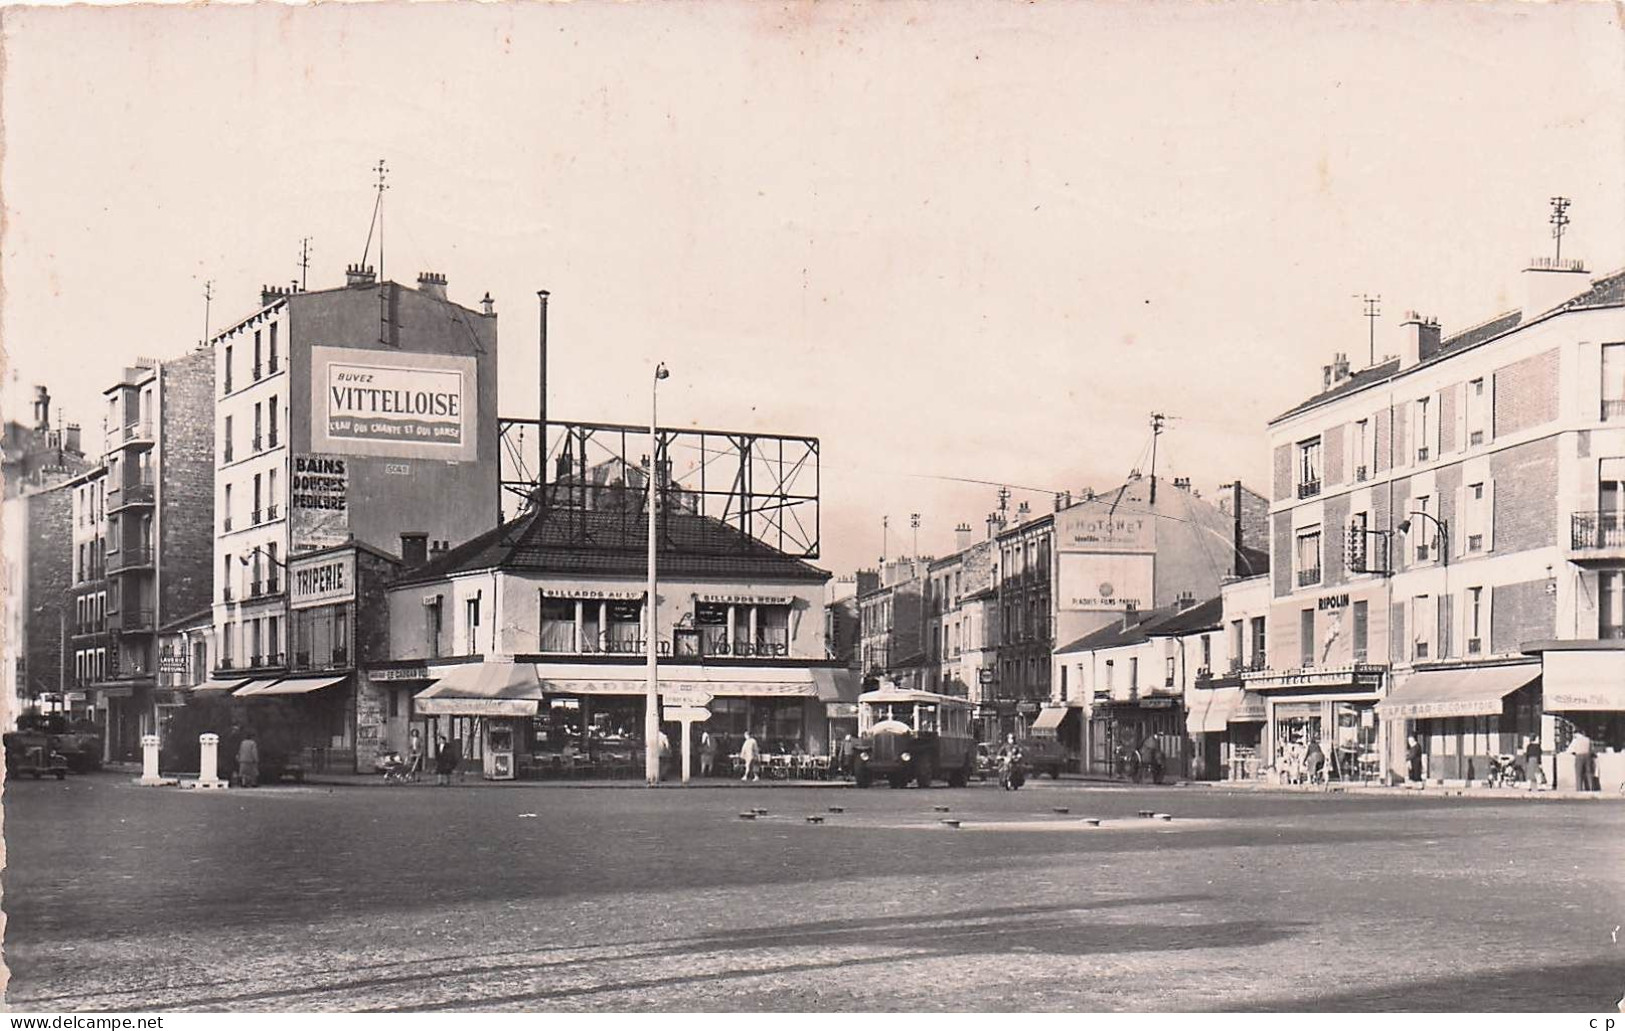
<point>894,625</point>
<point>352,415</point>
<point>1224,719</point>
<point>158,503</point>
<point>1442,563</point>
<point>961,600</point>
<point>540,633</point>
<point>87,623</point>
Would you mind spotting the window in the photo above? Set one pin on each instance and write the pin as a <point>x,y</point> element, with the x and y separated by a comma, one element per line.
<point>1133,674</point>
<point>1423,532</point>
<point>1308,556</point>
<point>431,626</point>
<point>1613,381</point>
<point>1473,619</point>
<point>255,518</point>
<point>272,368</point>
<point>1109,671</point>
<point>1238,643</point>
<point>1258,651</point>
<point>1207,652</point>
<point>256,355</point>
<point>255,656</point>
<point>271,567</point>
<point>1168,674</point>
<point>274,416</point>
<point>258,441</point>
<point>227,509</point>
<point>1063,683</point>
<point>225,578</point>
<point>270,495</point>
<point>1476,410</point>
<point>1306,637</point>
<point>1362,450</point>
<point>225,441</point>
<point>273,641</point>
<point>559,624</point>
<point>228,370</point>
<point>1611,604</point>
<point>1425,428</point>
<point>1421,620</point>
<point>1309,468</point>
<point>1362,631</point>
<point>1474,521</point>
<point>472,609</point>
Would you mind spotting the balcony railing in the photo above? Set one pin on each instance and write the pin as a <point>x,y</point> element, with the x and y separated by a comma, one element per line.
<point>1308,576</point>
<point>137,620</point>
<point>272,366</point>
<point>139,493</point>
<point>225,594</point>
<point>1475,438</point>
<point>135,557</point>
<point>1475,542</point>
<point>258,444</point>
<point>255,518</point>
<point>137,431</point>
<point>225,524</point>
<point>1309,488</point>
<point>256,373</point>
<point>1422,553</point>
<point>254,662</point>
<point>1475,645</point>
<point>1595,531</point>
<point>254,589</point>
<point>1361,474</point>
<point>1614,410</point>
<point>226,662</point>
<point>1422,454</point>
<point>270,512</point>
<point>273,586</point>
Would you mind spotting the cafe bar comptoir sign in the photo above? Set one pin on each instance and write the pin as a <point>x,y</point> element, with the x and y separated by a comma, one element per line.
<point>395,405</point>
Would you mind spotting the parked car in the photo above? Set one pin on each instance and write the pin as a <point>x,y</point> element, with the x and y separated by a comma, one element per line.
<point>1047,755</point>
<point>78,743</point>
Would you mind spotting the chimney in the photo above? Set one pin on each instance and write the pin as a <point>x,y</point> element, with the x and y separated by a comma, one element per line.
<point>359,275</point>
<point>1340,368</point>
<point>1023,513</point>
<point>414,549</point>
<point>433,284</point>
<point>488,307</point>
<point>270,294</point>
<point>1548,283</point>
<point>42,409</point>
<point>71,439</point>
<point>1420,339</point>
<point>962,537</point>
<point>1182,483</point>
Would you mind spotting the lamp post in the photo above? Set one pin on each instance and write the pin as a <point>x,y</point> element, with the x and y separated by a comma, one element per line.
<point>1404,526</point>
<point>651,708</point>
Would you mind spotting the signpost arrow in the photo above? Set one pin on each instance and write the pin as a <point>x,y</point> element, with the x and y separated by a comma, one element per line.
<point>686,713</point>
<point>685,698</point>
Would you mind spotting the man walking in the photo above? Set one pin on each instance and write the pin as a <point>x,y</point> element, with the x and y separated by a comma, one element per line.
<point>1533,768</point>
<point>248,762</point>
<point>708,753</point>
<point>750,755</point>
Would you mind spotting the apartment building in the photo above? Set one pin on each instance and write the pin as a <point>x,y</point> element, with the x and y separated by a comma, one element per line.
<point>87,624</point>
<point>1448,559</point>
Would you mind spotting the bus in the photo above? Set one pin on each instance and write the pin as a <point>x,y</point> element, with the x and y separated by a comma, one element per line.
<point>913,735</point>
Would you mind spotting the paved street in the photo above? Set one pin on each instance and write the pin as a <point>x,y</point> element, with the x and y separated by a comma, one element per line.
<point>556,898</point>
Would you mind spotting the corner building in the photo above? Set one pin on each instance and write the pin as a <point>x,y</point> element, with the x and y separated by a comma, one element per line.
<point>1447,559</point>
<point>359,415</point>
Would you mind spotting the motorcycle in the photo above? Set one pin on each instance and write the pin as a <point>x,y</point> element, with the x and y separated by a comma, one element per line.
<point>1503,772</point>
<point>1012,771</point>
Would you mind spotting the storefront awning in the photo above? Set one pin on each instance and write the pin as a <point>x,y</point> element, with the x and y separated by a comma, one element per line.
<point>301,685</point>
<point>1049,720</point>
<point>482,689</point>
<point>837,685</point>
<point>254,687</point>
<point>1437,693</point>
<point>722,681</point>
<point>219,685</point>
<point>1583,681</point>
<point>1210,711</point>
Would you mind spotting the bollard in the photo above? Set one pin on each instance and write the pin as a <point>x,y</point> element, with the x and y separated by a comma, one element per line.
<point>209,762</point>
<point>1092,821</point>
<point>950,823</point>
<point>149,763</point>
<point>1063,810</point>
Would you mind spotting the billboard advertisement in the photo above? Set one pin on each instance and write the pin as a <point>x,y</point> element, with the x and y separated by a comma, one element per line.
<point>1102,526</point>
<point>394,404</point>
<point>319,502</point>
<point>1104,582</point>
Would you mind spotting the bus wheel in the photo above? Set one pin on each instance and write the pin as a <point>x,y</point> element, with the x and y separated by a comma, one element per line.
<point>958,778</point>
<point>923,779</point>
<point>860,774</point>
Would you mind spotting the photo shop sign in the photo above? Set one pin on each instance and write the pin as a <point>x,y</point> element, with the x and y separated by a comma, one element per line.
<point>394,404</point>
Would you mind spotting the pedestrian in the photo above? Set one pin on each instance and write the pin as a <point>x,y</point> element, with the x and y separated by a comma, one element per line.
<point>1413,760</point>
<point>750,755</point>
<point>664,748</point>
<point>228,753</point>
<point>1533,766</point>
<point>446,757</point>
<point>414,754</point>
<point>1153,759</point>
<point>1314,759</point>
<point>248,762</point>
<point>708,753</point>
<point>1580,748</point>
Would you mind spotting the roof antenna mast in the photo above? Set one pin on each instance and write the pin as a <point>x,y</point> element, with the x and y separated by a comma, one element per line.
<point>304,262</point>
<point>1559,220</point>
<point>1370,314</point>
<point>1156,431</point>
<point>377,220</point>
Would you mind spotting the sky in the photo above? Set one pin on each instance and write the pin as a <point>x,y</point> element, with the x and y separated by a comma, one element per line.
<point>956,242</point>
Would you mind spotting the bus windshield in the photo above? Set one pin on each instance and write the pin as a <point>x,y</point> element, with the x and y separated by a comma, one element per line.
<point>902,712</point>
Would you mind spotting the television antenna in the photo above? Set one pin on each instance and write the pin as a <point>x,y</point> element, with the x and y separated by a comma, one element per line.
<point>1370,304</point>
<point>1559,220</point>
<point>377,219</point>
<point>304,260</point>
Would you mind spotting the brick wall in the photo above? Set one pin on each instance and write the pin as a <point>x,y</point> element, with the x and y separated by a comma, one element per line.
<point>1400,416</point>
<point>1525,499</point>
<point>1449,404</point>
<point>1382,430</point>
<point>186,486</point>
<point>50,587</point>
<point>1520,613</point>
<point>1331,451</point>
<point>1525,393</point>
<point>1398,643</point>
<point>1281,554</point>
<point>1283,472</point>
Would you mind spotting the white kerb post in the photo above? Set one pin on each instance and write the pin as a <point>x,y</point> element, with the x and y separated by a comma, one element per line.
<point>209,761</point>
<point>149,764</point>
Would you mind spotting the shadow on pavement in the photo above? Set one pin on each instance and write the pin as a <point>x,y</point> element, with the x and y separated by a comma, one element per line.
<point>1568,988</point>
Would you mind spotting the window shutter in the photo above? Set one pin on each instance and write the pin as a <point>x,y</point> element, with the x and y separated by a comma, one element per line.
<point>1489,515</point>
<point>1446,623</point>
<point>1458,532</point>
<point>1486,631</point>
<point>1463,391</point>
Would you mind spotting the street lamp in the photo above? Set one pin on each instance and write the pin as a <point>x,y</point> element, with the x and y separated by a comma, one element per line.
<point>651,708</point>
<point>1404,526</point>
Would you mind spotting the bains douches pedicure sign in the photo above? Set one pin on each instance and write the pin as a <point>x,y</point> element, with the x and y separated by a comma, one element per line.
<point>394,404</point>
